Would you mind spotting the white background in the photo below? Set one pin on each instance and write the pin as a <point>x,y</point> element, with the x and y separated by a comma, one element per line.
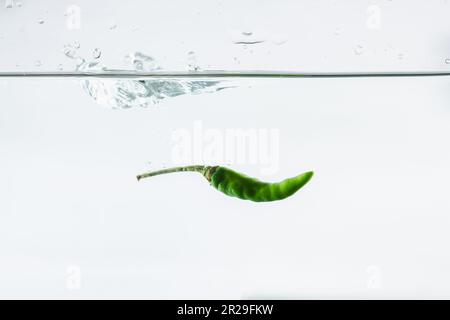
<point>373,222</point>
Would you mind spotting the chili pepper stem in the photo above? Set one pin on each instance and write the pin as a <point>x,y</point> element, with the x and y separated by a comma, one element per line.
<point>200,169</point>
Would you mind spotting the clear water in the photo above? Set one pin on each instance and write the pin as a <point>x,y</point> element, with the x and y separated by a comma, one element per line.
<point>375,214</point>
<point>373,222</point>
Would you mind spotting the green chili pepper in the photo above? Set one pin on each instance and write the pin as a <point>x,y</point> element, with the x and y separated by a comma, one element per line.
<point>238,185</point>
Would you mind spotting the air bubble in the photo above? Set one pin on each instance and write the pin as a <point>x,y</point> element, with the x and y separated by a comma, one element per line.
<point>192,61</point>
<point>38,63</point>
<point>69,52</point>
<point>447,61</point>
<point>247,37</point>
<point>97,53</point>
<point>40,21</point>
<point>359,50</point>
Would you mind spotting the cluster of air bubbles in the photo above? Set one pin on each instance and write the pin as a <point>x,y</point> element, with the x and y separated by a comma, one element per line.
<point>70,50</point>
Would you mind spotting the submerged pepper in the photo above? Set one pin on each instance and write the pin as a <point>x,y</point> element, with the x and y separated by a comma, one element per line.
<point>235,184</point>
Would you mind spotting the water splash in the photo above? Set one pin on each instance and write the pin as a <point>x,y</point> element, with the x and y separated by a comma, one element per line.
<point>124,94</point>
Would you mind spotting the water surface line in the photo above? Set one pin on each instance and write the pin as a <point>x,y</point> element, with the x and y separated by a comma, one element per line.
<point>139,75</point>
